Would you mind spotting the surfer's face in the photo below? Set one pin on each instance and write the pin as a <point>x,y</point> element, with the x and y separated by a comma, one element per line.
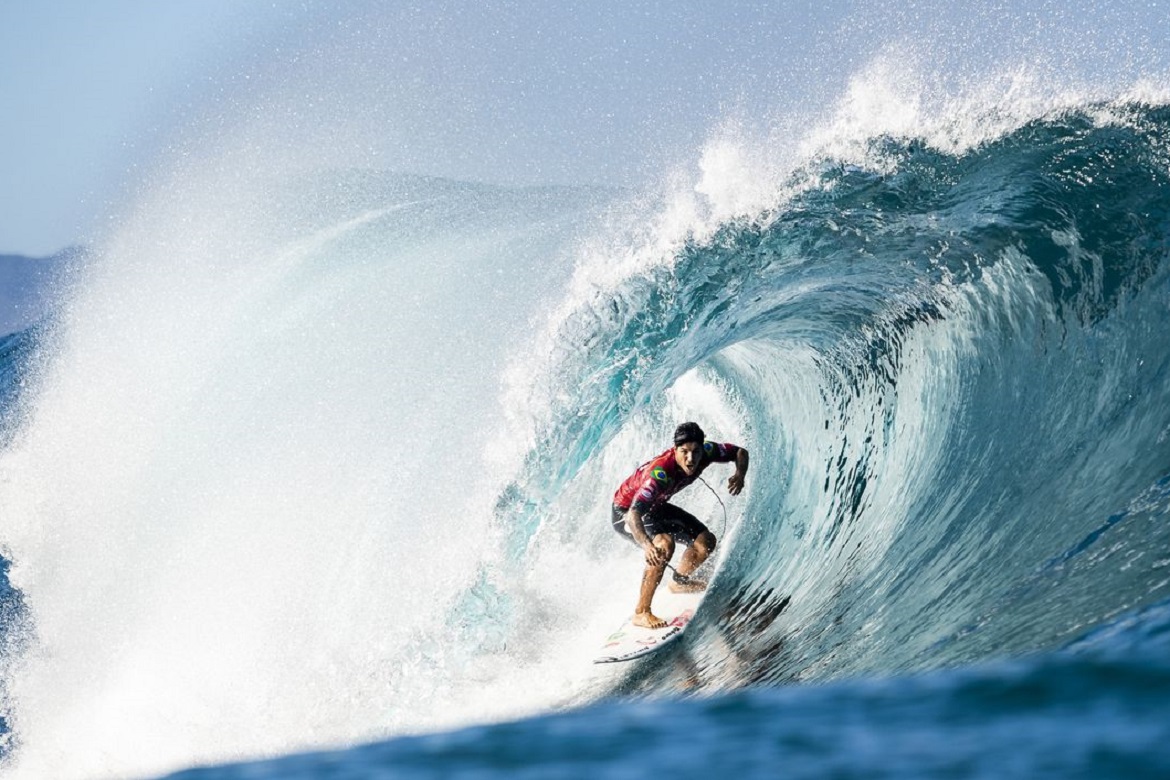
<point>688,456</point>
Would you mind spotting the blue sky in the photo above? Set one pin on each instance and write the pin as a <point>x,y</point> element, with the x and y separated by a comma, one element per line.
<point>82,83</point>
<point>508,90</point>
<point>502,90</point>
<point>516,91</point>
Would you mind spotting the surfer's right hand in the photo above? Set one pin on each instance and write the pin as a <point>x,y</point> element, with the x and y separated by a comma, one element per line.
<point>654,556</point>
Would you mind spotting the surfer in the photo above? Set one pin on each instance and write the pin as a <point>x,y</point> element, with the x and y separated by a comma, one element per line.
<point>642,514</point>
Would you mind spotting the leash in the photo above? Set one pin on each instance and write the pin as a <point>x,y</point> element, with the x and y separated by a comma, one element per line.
<point>720,500</point>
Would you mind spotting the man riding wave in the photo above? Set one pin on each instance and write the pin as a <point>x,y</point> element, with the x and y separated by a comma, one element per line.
<point>642,513</point>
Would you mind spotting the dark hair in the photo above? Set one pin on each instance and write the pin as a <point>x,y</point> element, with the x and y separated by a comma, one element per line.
<point>688,432</point>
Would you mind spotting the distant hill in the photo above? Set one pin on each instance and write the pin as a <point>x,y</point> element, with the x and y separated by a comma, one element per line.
<point>25,287</point>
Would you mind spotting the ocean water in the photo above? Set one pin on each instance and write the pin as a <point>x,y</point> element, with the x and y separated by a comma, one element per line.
<point>307,475</point>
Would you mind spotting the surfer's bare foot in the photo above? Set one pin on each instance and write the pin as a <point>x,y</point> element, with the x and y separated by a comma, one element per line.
<point>647,620</point>
<point>690,586</point>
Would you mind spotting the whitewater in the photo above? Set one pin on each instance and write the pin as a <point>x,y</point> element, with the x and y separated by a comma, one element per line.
<point>309,459</point>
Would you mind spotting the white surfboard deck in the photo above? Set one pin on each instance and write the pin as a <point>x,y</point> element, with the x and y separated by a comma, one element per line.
<point>629,641</point>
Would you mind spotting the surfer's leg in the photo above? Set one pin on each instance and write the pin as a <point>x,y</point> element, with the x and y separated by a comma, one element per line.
<point>687,529</point>
<point>651,577</point>
<point>697,553</point>
<point>693,558</point>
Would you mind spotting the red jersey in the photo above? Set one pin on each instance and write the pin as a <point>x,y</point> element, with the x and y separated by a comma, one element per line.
<point>656,481</point>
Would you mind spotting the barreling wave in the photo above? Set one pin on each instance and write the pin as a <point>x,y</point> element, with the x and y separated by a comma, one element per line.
<point>951,366</point>
<point>948,361</point>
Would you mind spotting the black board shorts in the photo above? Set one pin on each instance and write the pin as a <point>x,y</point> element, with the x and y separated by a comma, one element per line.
<point>682,526</point>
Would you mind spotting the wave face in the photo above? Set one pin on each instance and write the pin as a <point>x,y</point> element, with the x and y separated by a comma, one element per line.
<point>952,370</point>
<point>304,462</point>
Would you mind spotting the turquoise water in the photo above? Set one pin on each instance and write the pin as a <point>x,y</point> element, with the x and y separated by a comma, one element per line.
<point>326,462</point>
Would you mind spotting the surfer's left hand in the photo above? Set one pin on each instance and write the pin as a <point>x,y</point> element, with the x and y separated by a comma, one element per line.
<point>735,484</point>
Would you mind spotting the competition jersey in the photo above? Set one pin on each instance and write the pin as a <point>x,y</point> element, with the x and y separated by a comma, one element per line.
<point>657,480</point>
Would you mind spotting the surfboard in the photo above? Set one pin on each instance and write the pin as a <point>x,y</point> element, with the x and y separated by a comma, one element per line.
<point>629,641</point>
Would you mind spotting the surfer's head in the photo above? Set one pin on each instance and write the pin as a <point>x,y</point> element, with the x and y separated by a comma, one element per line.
<point>688,446</point>
<point>688,432</point>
